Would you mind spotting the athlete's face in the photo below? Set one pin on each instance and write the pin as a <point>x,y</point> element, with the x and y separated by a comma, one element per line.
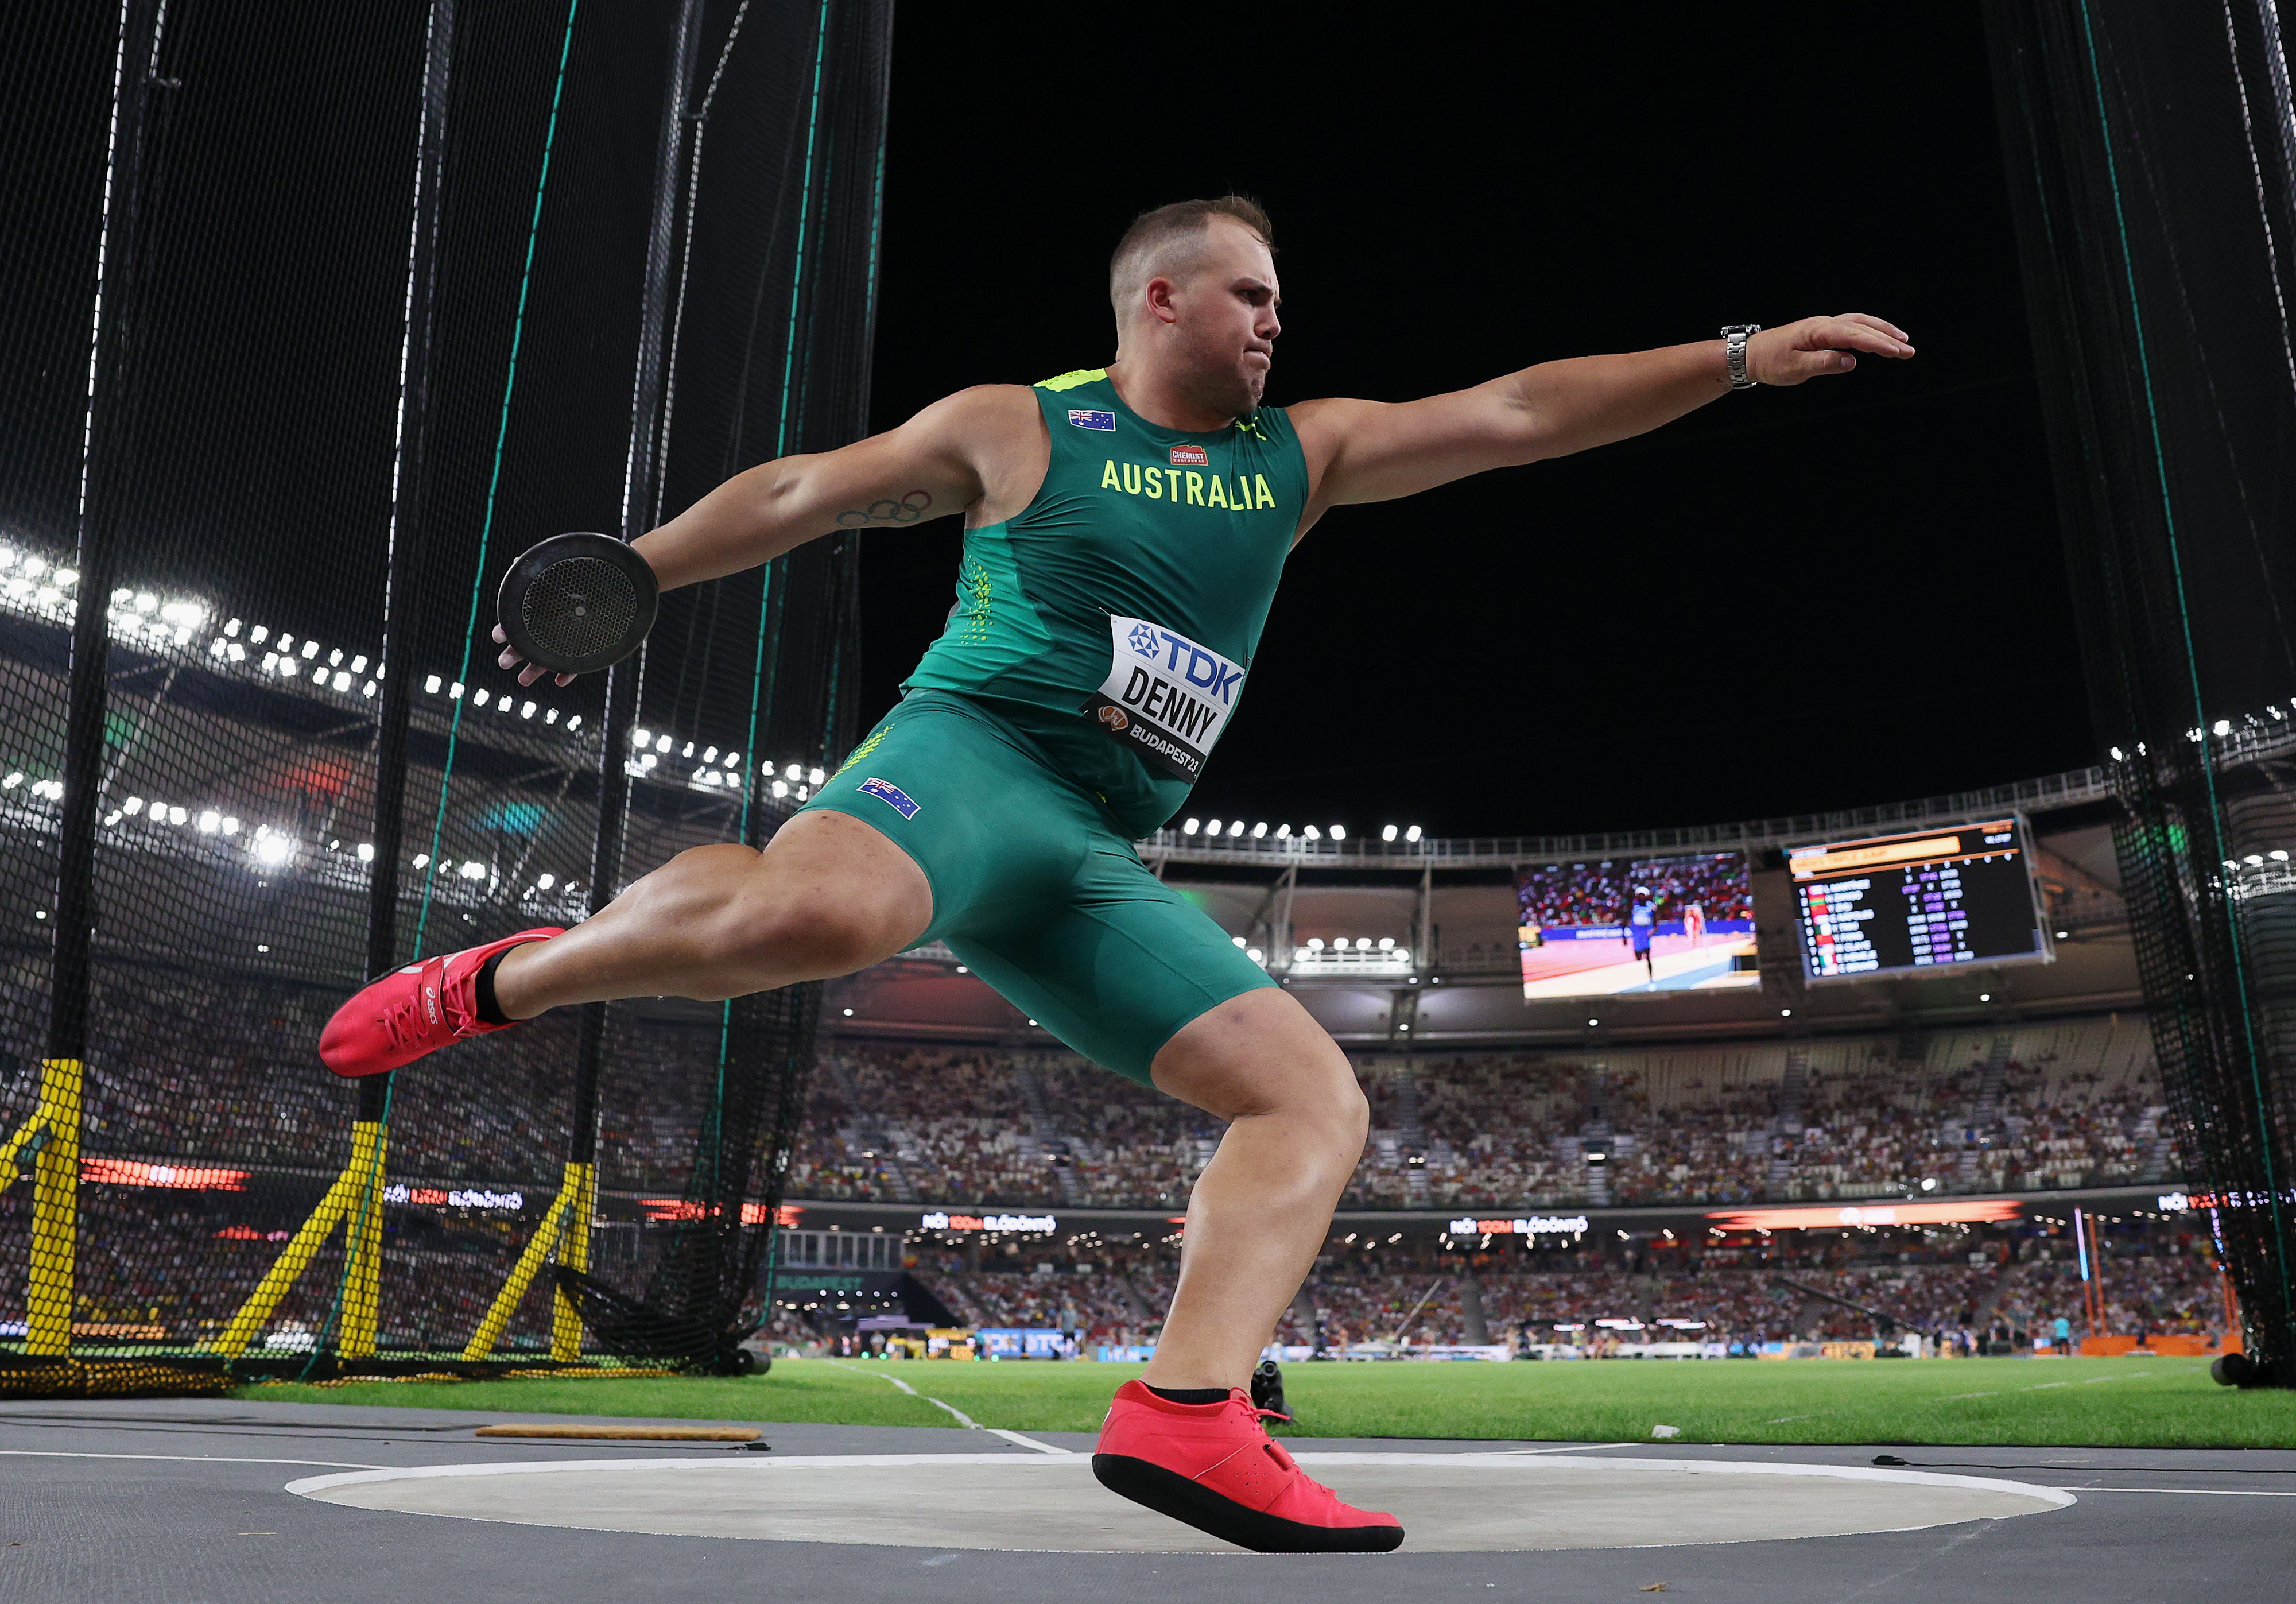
<point>1224,323</point>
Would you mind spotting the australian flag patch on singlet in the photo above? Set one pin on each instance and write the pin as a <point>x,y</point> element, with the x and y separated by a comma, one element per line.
<point>891,794</point>
<point>1080,418</point>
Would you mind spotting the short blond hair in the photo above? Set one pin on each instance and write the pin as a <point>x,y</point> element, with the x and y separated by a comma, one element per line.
<point>1158,240</point>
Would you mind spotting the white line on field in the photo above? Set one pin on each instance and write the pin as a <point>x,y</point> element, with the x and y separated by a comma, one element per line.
<point>1783,1419</point>
<point>963,1419</point>
<point>199,1459</point>
<point>2198,1491</point>
<point>1579,1447</point>
<point>1951,1397</point>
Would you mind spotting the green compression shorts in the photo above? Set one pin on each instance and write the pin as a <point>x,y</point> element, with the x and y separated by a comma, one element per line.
<point>1034,886</point>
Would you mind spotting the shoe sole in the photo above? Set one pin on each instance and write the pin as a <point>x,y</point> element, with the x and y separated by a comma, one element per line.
<point>1168,1493</point>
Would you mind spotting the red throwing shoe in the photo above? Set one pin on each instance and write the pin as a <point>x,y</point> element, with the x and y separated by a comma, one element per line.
<point>1213,1466</point>
<point>414,1010</point>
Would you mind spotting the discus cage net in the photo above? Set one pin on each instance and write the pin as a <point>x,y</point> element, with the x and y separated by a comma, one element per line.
<point>313,319</point>
<point>2151,152</point>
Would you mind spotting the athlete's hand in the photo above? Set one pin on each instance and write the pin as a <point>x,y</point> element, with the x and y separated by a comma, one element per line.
<point>1817,346</point>
<point>528,673</point>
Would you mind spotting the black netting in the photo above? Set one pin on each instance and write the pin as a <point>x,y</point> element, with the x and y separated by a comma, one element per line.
<point>374,301</point>
<point>2152,151</point>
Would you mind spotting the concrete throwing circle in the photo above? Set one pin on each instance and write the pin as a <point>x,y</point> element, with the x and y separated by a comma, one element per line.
<point>1049,1503</point>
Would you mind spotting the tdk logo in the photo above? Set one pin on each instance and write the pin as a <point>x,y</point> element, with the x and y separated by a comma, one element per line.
<point>1204,670</point>
<point>1104,422</point>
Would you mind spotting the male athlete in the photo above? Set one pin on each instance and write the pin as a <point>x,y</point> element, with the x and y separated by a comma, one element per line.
<point>1641,930</point>
<point>1125,529</point>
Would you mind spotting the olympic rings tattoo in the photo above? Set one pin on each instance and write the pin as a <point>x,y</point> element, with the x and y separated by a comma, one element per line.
<point>908,509</point>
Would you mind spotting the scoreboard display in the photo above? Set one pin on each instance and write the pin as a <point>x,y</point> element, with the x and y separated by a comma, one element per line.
<point>1916,903</point>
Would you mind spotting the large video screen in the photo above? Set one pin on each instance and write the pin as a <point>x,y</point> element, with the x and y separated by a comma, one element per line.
<point>1619,924</point>
<point>1916,902</point>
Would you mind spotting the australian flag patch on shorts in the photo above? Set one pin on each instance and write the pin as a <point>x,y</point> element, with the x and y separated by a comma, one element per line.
<point>1081,419</point>
<point>891,794</point>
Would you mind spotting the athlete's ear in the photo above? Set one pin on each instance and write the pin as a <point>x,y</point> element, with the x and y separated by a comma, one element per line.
<point>1161,294</point>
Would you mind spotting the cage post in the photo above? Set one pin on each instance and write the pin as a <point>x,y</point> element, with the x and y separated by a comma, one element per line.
<point>641,474</point>
<point>104,475</point>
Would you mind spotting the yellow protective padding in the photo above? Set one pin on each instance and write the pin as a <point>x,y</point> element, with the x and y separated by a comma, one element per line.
<point>355,1201</point>
<point>52,1133</point>
<point>564,1227</point>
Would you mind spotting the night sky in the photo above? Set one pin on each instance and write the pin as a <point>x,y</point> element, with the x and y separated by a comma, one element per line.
<point>1798,600</point>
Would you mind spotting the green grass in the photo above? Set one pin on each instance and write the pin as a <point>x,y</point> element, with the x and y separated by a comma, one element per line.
<point>2124,1403</point>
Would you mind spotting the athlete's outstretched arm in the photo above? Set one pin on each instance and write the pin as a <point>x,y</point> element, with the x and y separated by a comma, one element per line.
<point>1361,451</point>
<point>941,461</point>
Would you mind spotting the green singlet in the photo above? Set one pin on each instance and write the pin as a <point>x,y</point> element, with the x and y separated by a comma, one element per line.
<point>1097,649</point>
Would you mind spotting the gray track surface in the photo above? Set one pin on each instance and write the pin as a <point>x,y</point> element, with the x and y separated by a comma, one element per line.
<point>90,1511</point>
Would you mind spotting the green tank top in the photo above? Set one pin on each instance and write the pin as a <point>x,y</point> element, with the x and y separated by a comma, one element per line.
<point>1114,620</point>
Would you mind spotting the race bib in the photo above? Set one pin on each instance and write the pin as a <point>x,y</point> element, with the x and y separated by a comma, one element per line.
<point>1166,697</point>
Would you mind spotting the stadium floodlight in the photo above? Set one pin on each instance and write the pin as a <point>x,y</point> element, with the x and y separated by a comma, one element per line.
<point>574,723</point>
<point>2222,727</point>
<point>526,710</point>
<point>1314,943</point>
<point>1929,1183</point>
<point>2277,856</point>
<point>454,691</point>
<point>310,649</point>
<point>663,743</point>
<point>813,776</point>
<point>2254,860</point>
<point>273,849</point>
<point>175,815</point>
<point>479,697</point>
<point>1387,943</point>
<point>473,870</point>
<point>366,852</point>
<point>1254,954</point>
<point>710,755</point>
<point>1339,832</point>
<point>781,789</point>
<point>1213,828</point>
<point>1412,834</point>
<point>1260,829</point>
<point>67,576</point>
<point>1191,827</point>
<point>34,567</point>
<point>1594,1021</point>
<point>545,882</point>
<point>1237,940</point>
<point>1283,832</point>
<point>640,740</point>
<point>210,821</point>
<point>1312,833</point>
<point>1786,1013</point>
<point>1985,997</point>
<point>1235,828</point>
<point>1387,834</point>
<point>16,777</point>
<point>793,773</point>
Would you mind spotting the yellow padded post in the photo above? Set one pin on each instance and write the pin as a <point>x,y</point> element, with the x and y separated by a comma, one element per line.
<point>580,1190</point>
<point>48,1289</point>
<point>362,1240</point>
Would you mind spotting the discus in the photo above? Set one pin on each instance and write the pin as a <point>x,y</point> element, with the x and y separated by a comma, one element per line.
<point>575,604</point>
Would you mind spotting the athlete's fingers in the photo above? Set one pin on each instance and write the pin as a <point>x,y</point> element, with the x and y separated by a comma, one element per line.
<point>1848,333</point>
<point>1883,324</point>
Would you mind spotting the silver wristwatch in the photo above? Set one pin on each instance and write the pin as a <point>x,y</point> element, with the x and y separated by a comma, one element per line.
<point>1734,353</point>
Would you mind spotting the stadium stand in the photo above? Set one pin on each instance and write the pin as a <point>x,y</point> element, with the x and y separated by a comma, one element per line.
<point>2031,1107</point>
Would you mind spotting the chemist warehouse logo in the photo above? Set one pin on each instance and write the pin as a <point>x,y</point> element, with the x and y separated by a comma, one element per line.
<point>1186,487</point>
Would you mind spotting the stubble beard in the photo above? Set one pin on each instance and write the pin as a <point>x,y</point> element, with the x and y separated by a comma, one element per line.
<point>1230,391</point>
